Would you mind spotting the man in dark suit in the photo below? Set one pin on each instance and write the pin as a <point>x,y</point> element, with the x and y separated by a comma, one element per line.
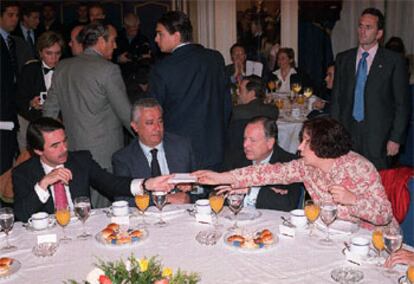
<point>172,153</point>
<point>35,81</point>
<point>191,86</point>
<point>370,95</point>
<point>34,181</point>
<point>89,92</point>
<point>250,104</point>
<point>13,55</point>
<point>27,28</point>
<point>260,147</point>
<point>49,21</point>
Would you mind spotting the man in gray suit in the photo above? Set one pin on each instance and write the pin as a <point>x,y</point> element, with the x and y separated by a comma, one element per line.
<point>370,95</point>
<point>154,152</point>
<point>89,92</point>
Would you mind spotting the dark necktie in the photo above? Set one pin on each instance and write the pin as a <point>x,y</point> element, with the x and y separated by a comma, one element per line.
<point>361,78</point>
<point>29,39</point>
<point>155,166</point>
<point>47,70</point>
<point>12,51</point>
<point>61,200</point>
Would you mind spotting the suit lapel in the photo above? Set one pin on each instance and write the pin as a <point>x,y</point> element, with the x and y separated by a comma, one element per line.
<point>38,174</point>
<point>350,68</point>
<point>42,81</point>
<point>171,156</point>
<point>139,161</point>
<point>376,68</point>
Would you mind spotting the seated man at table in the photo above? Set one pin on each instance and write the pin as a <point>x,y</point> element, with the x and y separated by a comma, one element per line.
<point>260,147</point>
<point>329,170</point>
<point>250,104</point>
<point>55,173</point>
<point>154,152</point>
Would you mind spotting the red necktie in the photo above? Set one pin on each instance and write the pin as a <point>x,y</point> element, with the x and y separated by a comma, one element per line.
<point>61,201</point>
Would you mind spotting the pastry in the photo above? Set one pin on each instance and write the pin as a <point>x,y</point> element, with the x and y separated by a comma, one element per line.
<point>6,260</point>
<point>136,234</point>
<point>236,238</point>
<point>113,226</point>
<point>107,232</point>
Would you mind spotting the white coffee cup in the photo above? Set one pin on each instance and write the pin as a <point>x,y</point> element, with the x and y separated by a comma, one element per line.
<point>202,206</point>
<point>119,208</point>
<point>298,218</point>
<point>295,112</point>
<point>39,221</point>
<point>360,246</point>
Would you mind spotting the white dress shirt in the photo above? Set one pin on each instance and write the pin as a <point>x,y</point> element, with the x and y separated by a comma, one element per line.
<point>251,196</point>
<point>47,77</point>
<point>285,86</point>
<point>162,160</point>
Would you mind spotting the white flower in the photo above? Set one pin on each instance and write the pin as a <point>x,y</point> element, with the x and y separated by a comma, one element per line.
<point>93,275</point>
<point>128,265</point>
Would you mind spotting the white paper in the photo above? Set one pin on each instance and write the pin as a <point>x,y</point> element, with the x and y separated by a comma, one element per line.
<point>6,125</point>
<point>183,178</point>
<point>49,238</point>
<point>254,68</point>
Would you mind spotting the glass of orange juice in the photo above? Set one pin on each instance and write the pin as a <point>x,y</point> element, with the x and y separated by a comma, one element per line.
<point>280,103</point>
<point>216,204</point>
<point>296,88</point>
<point>142,201</point>
<point>410,274</point>
<point>378,242</point>
<point>62,215</point>
<point>312,210</point>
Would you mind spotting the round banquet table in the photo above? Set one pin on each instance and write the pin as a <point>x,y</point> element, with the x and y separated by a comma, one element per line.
<point>290,260</point>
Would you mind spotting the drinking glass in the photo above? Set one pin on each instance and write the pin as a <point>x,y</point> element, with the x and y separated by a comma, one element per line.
<point>142,202</point>
<point>235,202</point>
<point>328,215</point>
<point>378,244</point>
<point>6,224</point>
<point>82,210</point>
<point>216,204</point>
<point>296,87</point>
<point>308,92</point>
<point>392,242</point>
<point>312,211</point>
<point>410,274</point>
<point>272,86</point>
<point>62,215</point>
<point>160,199</point>
<point>279,103</point>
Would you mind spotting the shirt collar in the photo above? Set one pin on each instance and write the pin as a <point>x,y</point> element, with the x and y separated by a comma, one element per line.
<point>45,65</point>
<point>265,161</point>
<point>4,34</point>
<point>180,45</point>
<point>24,29</point>
<point>372,51</point>
<point>48,168</point>
<point>147,150</point>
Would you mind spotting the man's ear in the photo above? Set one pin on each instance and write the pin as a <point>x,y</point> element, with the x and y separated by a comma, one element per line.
<point>38,152</point>
<point>134,127</point>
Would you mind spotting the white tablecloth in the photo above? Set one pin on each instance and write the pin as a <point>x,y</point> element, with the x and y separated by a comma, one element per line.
<point>299,260</point>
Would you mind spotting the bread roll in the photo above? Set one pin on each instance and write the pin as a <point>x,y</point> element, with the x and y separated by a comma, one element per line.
<point>236,238</point>
<point>113,226</point>
<point>6,261</point>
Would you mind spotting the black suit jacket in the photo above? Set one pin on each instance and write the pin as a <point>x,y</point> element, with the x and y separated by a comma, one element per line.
<point>19,33</point>
<point>30,83</point>
<point>192,88</point>
<point>131,161</point>
<point>267,198</point>
<point>85,173</point>
<point>387,101</point>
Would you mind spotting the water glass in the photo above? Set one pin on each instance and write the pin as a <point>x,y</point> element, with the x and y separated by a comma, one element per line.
<point>160,199</point>
<point>82,210</point>
<point>235,202</point>
<point>328,215</point>
<point>6,224</point>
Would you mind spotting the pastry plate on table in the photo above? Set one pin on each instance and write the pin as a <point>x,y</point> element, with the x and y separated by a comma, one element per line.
<point>8,267</point>
<point>244,215</point>
<point>261,240</point>
<point>338,227</point>
<point>114,236</point>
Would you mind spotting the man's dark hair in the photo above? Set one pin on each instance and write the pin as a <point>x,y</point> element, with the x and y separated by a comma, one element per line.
<point>176,21</point>
<point>6,4</point>
<point>377,13</point>
<point>29,9</point>
<point>91,33</point>
<point>269,125</point>
<point>237,45</point>
<point>34,135</point>
<point>255,83</point>
<point>328,138</point>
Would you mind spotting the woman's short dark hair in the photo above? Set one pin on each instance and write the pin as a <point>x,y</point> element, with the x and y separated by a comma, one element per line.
<point>92,32</point>
<point>34,135</point>
<point>49,38</point>
<point>290,53</point>
<point>176,21</point>
<point>269,125</point>
<point>328,138</point>
<point>256,84</point>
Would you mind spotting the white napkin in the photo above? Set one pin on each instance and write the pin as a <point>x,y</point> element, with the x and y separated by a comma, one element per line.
<point>168,210</point>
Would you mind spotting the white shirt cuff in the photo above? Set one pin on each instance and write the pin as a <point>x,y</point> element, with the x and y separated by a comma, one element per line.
<point>41,193</point>
<point>136,186</point>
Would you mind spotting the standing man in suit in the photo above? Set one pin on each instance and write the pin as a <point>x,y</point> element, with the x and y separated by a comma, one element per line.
<point>191,86</point>
<point>27,28</point>
<point>35,180</point>
<point>35,81</point>
<point>49,20</point>
<point>260,147</point>
<point>14,53</point>
<point>370,95</point>
<point>154,152</point>
<point>89,92</point>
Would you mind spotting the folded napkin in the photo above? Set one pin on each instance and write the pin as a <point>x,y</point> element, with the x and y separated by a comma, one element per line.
<point>168,210</point>
<point>338,227</point>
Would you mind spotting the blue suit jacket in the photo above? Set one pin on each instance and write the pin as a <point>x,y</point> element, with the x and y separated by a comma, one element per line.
<point>131,161</point>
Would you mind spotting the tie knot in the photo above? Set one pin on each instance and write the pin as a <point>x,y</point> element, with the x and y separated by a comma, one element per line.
<point>365,55</point>
<point>154,152</point>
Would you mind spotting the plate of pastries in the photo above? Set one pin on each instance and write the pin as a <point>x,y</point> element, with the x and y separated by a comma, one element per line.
<point>116,235</point>
<point>8,266</point>
<point>262,239</point>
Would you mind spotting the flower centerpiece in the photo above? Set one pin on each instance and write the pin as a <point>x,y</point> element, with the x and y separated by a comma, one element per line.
<point>137,271</point>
